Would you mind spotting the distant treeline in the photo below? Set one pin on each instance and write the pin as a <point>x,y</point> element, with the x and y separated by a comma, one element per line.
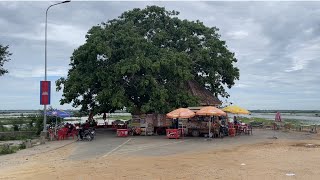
<point>40,111</point>
<point>18,111</point>
<point>254,111</point>
<point>286,111</point>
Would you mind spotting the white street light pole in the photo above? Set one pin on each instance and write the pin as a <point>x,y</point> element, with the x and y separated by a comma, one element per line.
<point>45,63</point>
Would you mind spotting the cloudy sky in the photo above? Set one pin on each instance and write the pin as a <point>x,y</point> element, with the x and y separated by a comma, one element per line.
<point>277,45</point>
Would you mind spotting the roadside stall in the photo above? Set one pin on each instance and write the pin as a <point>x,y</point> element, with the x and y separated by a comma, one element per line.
<point>238,127</point>
<point>60,132</point>
<point>161,123</point>
<point>211,112</point>
<point>146,125</point>
<point>197,125</point>
<point>142,124</point>
<point>183,113</point>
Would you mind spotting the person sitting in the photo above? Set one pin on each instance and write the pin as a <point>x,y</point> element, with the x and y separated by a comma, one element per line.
<point>70,128</point>
<point>216,128</point>
<point>235,121</point>
<point>92,123</point>
<point>82,128</point>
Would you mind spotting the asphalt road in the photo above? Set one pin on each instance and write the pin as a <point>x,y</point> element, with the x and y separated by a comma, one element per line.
<point>107,144</point>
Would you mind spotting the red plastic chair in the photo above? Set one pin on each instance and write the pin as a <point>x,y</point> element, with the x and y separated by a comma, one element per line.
<point>73,133</point>
<point>230,125</point>
<point>62,133</point>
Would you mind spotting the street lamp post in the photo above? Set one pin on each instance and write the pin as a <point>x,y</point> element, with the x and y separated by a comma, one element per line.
<point>45,63</point>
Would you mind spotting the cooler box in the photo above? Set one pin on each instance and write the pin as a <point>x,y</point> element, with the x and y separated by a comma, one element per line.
<point>122,132</point>
<point>232,132</point>
<point>173,133</point>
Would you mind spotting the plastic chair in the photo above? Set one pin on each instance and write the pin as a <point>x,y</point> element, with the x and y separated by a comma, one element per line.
<point>73,133</point>
<point>249,130</point>
<point>62,133</point>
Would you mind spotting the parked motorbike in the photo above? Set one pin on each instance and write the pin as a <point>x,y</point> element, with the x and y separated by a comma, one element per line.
<point>87,134</point>
<point>93,132</point>
<point>224,131</point>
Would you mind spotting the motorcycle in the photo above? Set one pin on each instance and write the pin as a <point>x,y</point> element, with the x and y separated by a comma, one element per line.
<point>87,134</point>
<point>93,132</point>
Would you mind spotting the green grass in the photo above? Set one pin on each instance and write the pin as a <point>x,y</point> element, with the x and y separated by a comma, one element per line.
<point>11,138</point>
<point>255,119</point>
<point>292,122</point>
<point>7,150</point>
<point>15,120</point>
<point>11,149</point>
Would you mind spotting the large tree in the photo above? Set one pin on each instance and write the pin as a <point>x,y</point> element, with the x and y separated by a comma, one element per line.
<point>4,57</point>
<point>143,59</point>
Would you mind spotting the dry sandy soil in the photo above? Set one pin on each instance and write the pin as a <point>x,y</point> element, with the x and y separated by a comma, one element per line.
<point>272,159</point>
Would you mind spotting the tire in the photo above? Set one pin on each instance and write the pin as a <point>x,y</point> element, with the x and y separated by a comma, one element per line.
<point>88,137</point>
<point>93,134</point>
<point>195,133</point>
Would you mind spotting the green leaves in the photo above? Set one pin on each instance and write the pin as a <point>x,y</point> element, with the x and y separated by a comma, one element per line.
<point>4,57</point>
<point>143,61</point>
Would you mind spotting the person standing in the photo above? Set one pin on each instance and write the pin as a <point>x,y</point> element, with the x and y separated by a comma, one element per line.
<point>235,121</point>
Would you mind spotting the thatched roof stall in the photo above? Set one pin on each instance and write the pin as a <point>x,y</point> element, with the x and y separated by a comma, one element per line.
<point>206,98</point>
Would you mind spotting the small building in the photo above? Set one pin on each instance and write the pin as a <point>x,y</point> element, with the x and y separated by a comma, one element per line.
<point>206,98</point>
<point>150,123</point>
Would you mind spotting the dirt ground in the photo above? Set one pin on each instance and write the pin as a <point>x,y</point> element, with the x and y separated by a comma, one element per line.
<point>270,159</point>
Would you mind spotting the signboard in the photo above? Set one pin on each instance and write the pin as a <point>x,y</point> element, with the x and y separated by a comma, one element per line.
<point>45,87</point>
<point>135,121</point>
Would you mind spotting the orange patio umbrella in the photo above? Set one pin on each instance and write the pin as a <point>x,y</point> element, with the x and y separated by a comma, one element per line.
<point>181,113</point>
<point>210,111</point>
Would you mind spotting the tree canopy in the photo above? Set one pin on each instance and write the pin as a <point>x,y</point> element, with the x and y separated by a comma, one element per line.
<point>4,57</point>
<point>142,61</point>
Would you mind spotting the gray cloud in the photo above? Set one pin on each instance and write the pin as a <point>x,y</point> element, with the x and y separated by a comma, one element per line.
<point>276,43</point>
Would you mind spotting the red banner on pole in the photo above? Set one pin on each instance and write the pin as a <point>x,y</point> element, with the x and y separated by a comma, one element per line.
<point>45,87</point>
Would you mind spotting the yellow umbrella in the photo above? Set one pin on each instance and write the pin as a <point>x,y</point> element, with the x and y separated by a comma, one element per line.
<point>181,113</point>
<point>236,110</point>
<point>210,111</point>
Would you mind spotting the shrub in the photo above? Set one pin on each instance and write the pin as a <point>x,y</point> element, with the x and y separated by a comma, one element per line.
<point>288,126</point>
<point>22,146</point>
<point>6,149</point>
<point>16,127</point>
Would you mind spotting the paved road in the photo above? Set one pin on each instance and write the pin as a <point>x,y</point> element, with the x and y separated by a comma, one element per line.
<point>107,144</point>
